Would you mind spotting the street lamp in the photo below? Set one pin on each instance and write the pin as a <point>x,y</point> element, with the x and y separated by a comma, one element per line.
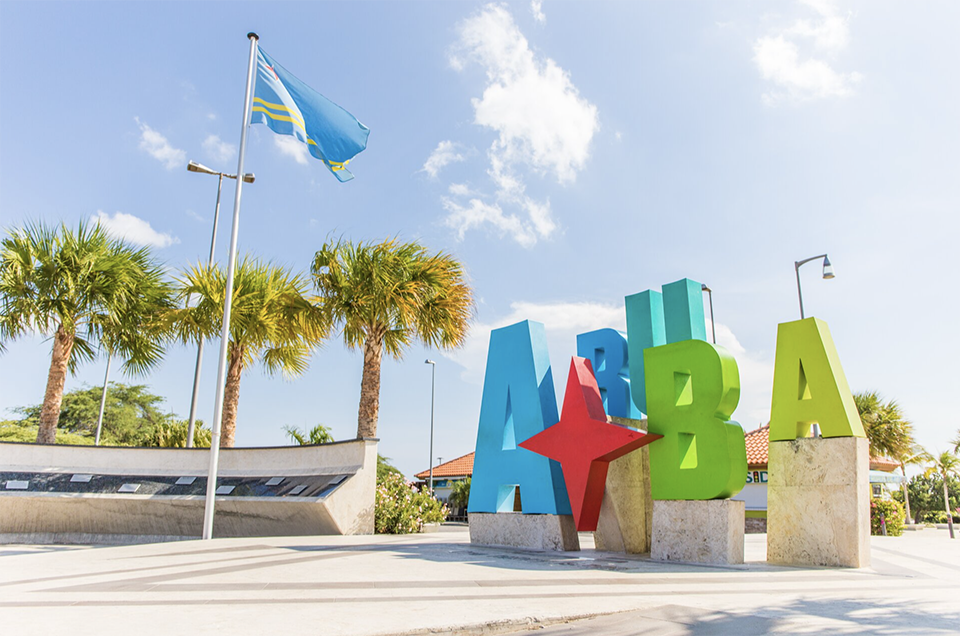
<point>827,275</point>
<point>713,326</point>
<point>193,166</point>
<point>433,386</point>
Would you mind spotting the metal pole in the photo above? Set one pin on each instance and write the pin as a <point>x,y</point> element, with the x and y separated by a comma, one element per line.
<point>208,508</point>
<point>713,322</point>
<point>433,385</point>
<point>196,370</point>
<point>796,267</point>
<point>103,401</point>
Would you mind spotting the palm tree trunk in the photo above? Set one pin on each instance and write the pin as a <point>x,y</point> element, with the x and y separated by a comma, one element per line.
<point>231,399</point>
<point>56,378</point>
<point>946,505</point>
<point>370,385</point>
<point>906,494</point>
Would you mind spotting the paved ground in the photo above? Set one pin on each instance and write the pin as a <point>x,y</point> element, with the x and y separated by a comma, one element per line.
<point>439,583</point>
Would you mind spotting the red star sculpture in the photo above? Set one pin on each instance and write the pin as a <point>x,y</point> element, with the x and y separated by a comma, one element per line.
<point>585,443</point>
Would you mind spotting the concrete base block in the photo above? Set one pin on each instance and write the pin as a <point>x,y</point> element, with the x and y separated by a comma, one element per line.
<point>534,532</point>
<point>698,531</point>
<point>626,515</point>
<point>818,502</point>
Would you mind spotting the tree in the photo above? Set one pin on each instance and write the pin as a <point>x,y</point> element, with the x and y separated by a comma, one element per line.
<point>385,295</point>
<point>926,496</point>
<point>956,443</point>
<point>946,465</point>
<point>385,468</point>
<point>272,321</point>
<point>460,493</point>
<point>889,432</point>
<point>319,434</point>
<point>131,418</point>
<point>83,289</point>
<point>173,434</point>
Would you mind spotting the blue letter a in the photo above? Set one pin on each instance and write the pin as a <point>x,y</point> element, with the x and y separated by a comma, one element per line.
<point>518,402</point>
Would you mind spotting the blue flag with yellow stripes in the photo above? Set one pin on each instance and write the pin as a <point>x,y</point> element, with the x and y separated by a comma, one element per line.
<point>290,107</point>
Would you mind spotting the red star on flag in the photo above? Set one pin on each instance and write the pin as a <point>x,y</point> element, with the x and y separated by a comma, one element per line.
<point>585,443</point>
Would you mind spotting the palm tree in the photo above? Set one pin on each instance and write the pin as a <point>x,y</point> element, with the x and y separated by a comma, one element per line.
<point>319,434</point>
<point>890,434</point>
<point>272,322</point>
<point>385,295</point>
<point>83,289</point>
<point>956,443</point>
<point>945,465</point>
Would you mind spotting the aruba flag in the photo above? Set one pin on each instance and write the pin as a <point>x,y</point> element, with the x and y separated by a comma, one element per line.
<point>290,107</point>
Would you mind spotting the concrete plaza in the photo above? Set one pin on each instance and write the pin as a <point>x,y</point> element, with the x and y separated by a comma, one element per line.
<point>439,583</point>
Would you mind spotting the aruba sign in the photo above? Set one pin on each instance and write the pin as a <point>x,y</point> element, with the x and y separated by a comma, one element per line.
<point>663,368</point>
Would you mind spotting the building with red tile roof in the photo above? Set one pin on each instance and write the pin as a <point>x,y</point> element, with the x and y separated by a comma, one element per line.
<point>459,468</point>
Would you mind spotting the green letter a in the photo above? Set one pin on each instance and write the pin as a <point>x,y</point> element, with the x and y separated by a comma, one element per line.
<point>809,385</point>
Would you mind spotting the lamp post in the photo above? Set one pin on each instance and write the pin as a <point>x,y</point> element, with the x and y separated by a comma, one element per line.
<point>827,275</point>
<point>103,400</point>
<point>713,326</point>
<point>433,386</point>
<point>193,166</point>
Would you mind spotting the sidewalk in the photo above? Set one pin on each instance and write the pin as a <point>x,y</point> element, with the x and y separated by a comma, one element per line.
<point>438,583</point>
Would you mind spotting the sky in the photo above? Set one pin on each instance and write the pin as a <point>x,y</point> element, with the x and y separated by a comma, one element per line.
<point>568,153</point>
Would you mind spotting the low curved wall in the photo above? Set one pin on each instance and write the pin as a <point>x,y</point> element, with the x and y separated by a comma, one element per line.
<point>65,494</point>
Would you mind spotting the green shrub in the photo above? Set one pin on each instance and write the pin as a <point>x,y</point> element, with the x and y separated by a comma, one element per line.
<point>935,516</point>
<point>401,508</point>
<point>460,494</point>
<point>892,514</point>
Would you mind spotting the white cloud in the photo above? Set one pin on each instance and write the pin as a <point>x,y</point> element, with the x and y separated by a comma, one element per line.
<point>476,213</point>
<point>780,60</point>
<point>133,229</point>
<point>536,7</point>
<point>444,154</point>
<point>537,111</point>
<point>292,147</point>
<point>543,125</point>
<point>460,190</point>
<point>157,146</point>
<point>216,148</point>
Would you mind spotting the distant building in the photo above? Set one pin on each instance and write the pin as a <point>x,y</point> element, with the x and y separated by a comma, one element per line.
<point>445,475</point>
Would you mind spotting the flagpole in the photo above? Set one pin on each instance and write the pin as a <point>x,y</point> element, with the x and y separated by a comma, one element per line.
<point>208,508</point>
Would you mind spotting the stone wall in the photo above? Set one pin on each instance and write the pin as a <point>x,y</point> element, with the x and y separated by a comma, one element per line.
<point>54,507</point>
<point>819,502</point>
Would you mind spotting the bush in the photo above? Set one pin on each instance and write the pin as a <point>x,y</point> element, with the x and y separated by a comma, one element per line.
<point>892,514</point>
<point>938,516</point>
<point>174,435</point>
<point>460,494</point>
<point>401,508</point>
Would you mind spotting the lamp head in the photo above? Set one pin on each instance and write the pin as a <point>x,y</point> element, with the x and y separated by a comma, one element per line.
<point>193,166</point>
<point>249,178</point>
<point>429,362</point>
<point>705,288</point>
<point>827,269</point>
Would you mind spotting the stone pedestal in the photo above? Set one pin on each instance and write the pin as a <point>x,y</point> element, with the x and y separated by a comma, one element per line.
<point>514,529</point>
<point>698,531</point>
<point>626,514</point>
<point>818,502</point>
